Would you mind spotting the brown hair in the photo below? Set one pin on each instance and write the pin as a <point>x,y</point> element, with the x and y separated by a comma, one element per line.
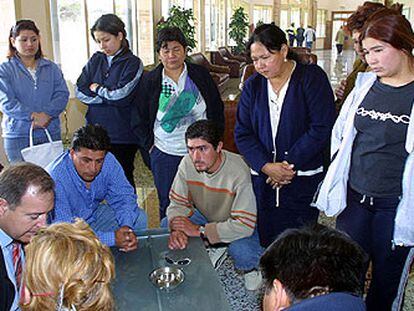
<point>357,19</point>
<point>16,179</point>
<point>388,25</point>
<point>70,264</point>
<point>23,24</point>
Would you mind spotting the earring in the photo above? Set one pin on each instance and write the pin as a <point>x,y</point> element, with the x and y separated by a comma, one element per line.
<point>285,60</point>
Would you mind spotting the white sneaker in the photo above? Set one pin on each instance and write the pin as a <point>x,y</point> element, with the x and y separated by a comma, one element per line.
<point>217,255</point>
<point>253,280</point>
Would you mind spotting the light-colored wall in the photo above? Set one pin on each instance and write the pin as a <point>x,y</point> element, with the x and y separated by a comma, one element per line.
<point>38,11</point>
<point>338,5</point>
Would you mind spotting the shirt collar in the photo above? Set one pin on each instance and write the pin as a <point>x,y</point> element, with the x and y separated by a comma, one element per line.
<point>181,79</point>
<point>5,239</point>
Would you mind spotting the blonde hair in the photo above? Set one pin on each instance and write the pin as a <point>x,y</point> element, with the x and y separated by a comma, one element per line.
<point>69,257</point>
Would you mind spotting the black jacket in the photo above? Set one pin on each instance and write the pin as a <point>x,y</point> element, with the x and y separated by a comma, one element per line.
<point>7,291</point>
<point>148,93</point>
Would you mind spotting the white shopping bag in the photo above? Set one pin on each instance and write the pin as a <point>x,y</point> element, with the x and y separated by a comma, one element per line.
<point>42,154</point>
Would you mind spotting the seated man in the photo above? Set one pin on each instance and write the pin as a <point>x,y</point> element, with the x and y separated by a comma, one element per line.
<point>26,196</point>
<point>90,184</point>
<point>313,268</point>
<point>212,197</point>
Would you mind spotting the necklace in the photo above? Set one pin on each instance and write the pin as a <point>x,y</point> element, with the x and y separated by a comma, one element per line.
<point>277,86</point>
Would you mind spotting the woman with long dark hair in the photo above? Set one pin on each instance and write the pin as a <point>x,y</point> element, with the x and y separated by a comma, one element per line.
<point>370,183</point>
<point>33,92</point>
<point>107,85</point>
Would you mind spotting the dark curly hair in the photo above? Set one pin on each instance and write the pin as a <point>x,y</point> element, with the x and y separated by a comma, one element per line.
<point>93,137</point>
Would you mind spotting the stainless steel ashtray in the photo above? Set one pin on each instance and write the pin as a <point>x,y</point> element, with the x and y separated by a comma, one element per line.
<point>167,278</point>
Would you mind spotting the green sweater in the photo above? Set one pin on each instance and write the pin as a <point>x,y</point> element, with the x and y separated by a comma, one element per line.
<point>224,197</point>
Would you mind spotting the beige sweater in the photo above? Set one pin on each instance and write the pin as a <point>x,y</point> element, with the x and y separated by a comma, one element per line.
<point>225,198</point>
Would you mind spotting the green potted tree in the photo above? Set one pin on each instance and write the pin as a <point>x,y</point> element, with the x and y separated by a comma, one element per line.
<point>239,26</point>
<point>183,19</point>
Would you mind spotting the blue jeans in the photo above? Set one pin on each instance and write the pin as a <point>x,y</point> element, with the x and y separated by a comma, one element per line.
<point>13,146</point>
<point>164,167</point>
<point>309,44</point>
<point>106,220</point>
<point>371,225</point>
<point>245,252</point>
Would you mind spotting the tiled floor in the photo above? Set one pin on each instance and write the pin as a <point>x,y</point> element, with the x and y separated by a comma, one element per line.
<point>337,68</point>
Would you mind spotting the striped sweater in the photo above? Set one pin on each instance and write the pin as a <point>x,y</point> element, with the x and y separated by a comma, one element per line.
<point>224,197</point>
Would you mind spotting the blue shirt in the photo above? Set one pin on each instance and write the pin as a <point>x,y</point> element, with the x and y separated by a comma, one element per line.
<point>21,95</point>
<point>6,244</point>
<point>73,199</point>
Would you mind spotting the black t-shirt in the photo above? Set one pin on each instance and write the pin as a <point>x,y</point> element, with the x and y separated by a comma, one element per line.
<point>378,152</point>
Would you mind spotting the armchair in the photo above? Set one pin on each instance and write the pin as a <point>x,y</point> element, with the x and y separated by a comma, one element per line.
<point>224,51</point>
<point>220,74</point>
<point>234,65</point>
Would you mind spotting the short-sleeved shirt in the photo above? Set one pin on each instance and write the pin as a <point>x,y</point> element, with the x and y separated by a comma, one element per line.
<point>378,154</point>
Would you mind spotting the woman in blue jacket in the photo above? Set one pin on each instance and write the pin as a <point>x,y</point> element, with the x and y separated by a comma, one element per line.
<point>284,119</point>
<point>107,86</point>
<point>33,92</point>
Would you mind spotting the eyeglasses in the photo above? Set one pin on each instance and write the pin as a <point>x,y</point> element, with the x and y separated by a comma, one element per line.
<point>179,262</point>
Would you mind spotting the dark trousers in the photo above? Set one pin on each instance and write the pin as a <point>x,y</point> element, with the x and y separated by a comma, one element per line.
<point>294,209</point>
<point>370,222</point>
<point>164,167</point>
<point>125,154</point>
<point>339,48</point>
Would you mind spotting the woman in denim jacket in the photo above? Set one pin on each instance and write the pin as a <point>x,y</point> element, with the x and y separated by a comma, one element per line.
<point>33,91</point>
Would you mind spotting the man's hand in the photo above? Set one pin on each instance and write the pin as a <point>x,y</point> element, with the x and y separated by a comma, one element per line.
<point>340,90</point>
<point>93,87</point>
<point>280,173</point>
<point>125,239</point>
<point>177,240</point>
<point>40,119</point>
<point>182,223</point>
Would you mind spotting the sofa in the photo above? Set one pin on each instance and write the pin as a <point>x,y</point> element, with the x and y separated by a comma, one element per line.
<point>220,74</point>
<point>234,65</point>
<point>225,52</point>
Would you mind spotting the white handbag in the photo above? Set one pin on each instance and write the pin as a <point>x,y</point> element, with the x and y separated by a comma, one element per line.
<point>42,154</point>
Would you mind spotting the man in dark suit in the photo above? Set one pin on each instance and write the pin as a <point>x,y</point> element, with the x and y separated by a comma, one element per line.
<point>26,196</point>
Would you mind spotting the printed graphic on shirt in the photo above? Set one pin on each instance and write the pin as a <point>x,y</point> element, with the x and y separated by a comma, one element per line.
<point>166,91</point>
<point>176,107</point>
<point>381,116</point>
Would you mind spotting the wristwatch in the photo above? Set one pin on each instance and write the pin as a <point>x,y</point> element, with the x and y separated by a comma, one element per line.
<point>202,231</point>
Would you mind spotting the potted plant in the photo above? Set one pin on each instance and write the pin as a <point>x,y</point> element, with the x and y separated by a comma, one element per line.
<point>239,27</point>
<point>183,19</point>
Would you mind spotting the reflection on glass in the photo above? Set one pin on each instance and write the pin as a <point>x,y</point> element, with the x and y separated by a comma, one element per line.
<point>71,23</point>
<point>96,8</point>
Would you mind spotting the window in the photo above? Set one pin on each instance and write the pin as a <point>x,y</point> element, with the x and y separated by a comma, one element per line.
<point>295,16</point>
<point>283,19</point>
<point>321,23</point>
<point>262,13</point>
<point>71,23</point>
<point>7,20</point>
<point>73,44</point>
<point>95,9</point>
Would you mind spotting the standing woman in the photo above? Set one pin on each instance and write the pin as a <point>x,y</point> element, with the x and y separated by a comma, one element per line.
<point>370,183</point>
<point>284,119</point>
<point>107,86</point>
<point>172,96</point>
<point>33,92</point>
